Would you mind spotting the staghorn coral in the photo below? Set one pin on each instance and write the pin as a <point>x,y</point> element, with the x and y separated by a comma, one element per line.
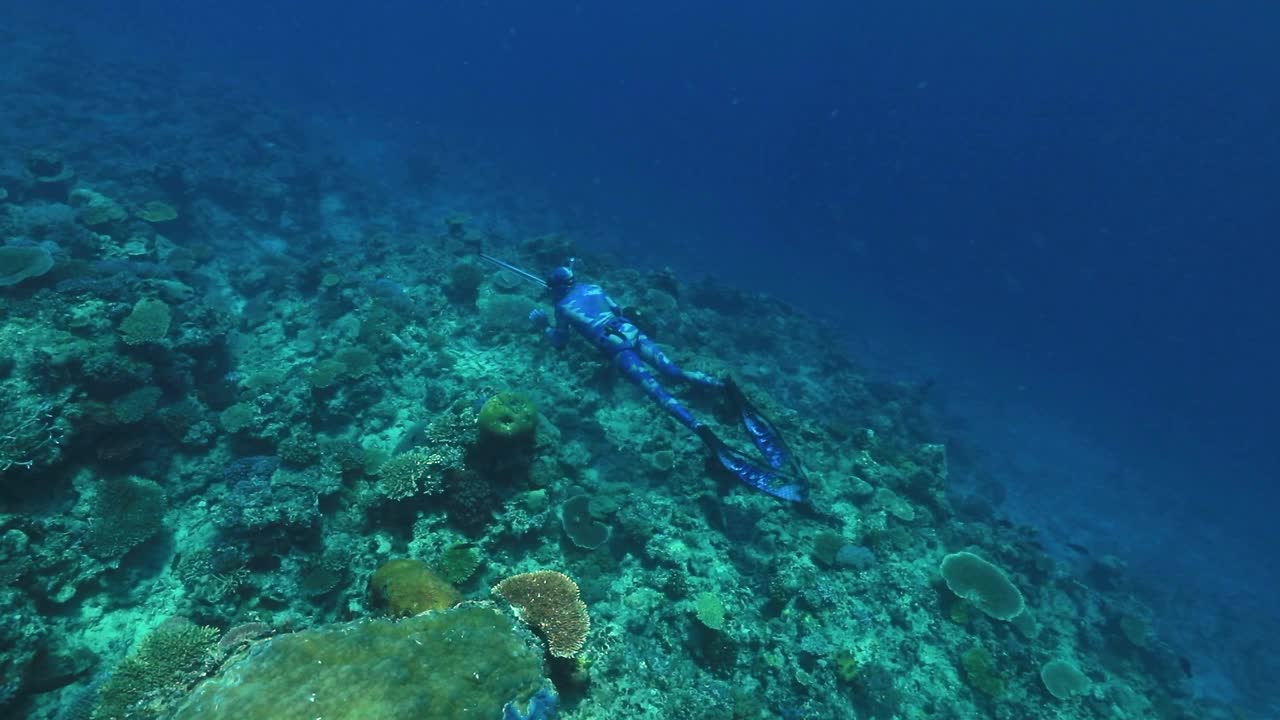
<point>548,601</point>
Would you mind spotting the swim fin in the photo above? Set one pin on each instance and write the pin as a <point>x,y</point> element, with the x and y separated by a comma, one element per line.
<point>763,434</point>
<point>775,481</point>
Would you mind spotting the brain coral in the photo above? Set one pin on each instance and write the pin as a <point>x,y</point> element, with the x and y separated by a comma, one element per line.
<point>468,662</point>
<point>983,584</point>
<point>408,587</point>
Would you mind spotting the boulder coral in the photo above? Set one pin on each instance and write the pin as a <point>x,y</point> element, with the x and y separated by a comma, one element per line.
<point>467,662</point>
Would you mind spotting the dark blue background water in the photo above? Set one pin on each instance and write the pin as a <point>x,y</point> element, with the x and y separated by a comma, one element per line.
<point>1071,205</point>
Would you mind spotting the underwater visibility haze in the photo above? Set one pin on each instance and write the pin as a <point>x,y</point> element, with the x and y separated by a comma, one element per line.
<point>649,360</point>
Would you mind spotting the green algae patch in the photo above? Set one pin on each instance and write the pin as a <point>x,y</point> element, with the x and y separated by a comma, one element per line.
<point>468,662</point>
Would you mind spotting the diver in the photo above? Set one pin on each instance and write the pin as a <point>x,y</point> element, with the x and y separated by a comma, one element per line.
<point>595,316</point>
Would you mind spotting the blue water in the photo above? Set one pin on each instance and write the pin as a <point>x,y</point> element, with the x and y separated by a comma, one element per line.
<point>1064,213</point>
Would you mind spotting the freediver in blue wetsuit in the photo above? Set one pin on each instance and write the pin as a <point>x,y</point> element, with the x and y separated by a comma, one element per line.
<point>586,308</point>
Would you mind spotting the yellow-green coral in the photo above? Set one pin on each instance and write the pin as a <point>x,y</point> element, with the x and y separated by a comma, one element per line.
<point>980,671</point>
<point>133,407</point>
<point>408,587</point>
<point>458,562</point>
<point>508,416</point>
<point>96,208</point>
<point>237,417</point>
<point>468,662</point>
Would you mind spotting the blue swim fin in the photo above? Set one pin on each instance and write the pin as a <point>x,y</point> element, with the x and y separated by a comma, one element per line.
<point>763,434</point>
<point>775,481</point>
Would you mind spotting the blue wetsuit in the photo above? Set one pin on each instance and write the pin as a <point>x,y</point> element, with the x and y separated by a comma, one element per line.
<point>586,309</point>
<point>595,316</point>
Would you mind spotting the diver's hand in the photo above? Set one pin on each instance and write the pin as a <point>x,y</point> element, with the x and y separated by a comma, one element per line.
<point>538,317</point>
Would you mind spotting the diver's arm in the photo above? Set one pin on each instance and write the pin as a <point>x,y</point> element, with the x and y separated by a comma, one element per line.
<point>556,334</point>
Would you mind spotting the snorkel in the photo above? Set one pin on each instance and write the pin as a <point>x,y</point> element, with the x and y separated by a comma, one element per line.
<point>558,282</point>
<point>508,266</point>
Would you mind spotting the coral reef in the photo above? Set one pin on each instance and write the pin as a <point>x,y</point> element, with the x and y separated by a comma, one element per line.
<point>248,387</point>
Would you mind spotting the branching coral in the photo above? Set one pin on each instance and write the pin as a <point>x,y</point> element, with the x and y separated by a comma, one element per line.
<point>168,661</point>
<point>417,472</point>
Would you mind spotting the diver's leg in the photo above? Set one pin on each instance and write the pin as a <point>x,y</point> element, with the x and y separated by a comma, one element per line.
<point>764,435</point>
<point>652,354</point>
<point>632,365</point>
<point>775,481</point>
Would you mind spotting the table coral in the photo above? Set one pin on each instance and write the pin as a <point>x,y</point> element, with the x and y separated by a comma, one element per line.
<point>548,600</point>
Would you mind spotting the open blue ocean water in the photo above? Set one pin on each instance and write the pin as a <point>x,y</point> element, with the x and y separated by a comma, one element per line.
<point>1003,275</point>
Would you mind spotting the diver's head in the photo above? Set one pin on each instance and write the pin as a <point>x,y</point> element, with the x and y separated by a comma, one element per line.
<point>561,279</point>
